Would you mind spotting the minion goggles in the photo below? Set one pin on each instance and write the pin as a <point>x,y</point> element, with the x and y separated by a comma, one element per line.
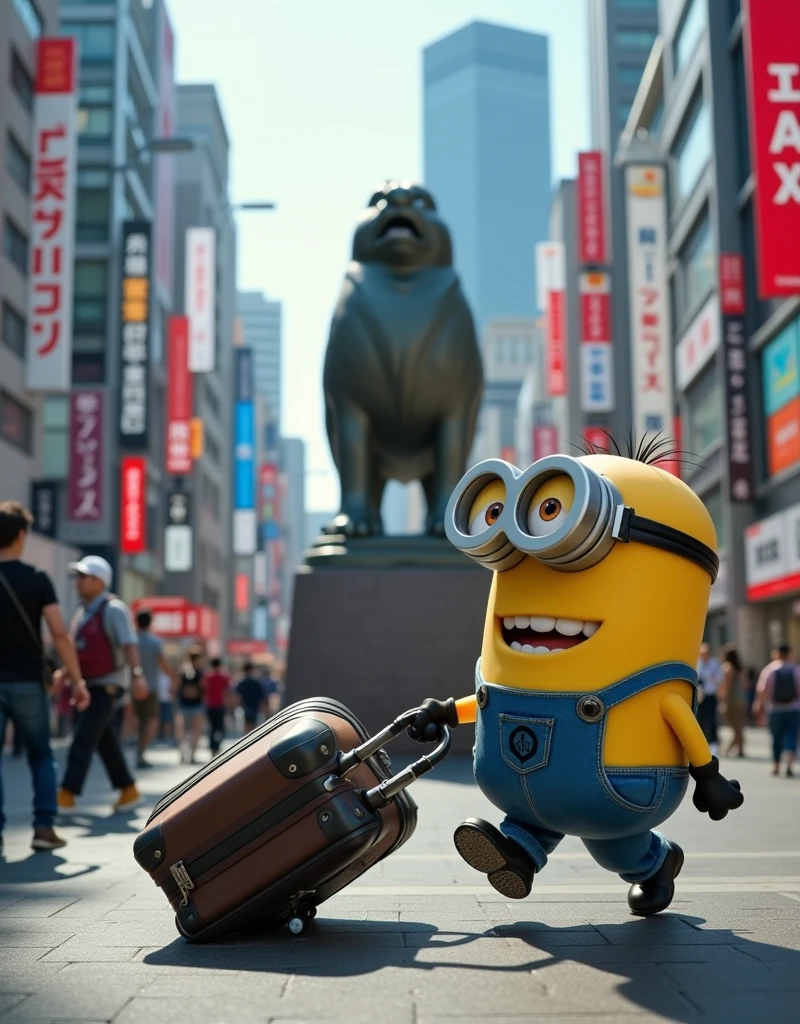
<point>597,519</point>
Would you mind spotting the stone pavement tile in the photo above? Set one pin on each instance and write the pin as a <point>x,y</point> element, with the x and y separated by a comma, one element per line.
<point>9,1001</point>
<point>777,1007</point>
<point>37,932</point>
<point>88,908</point>
<point>19,956</point>
<point>740,975</point>
<point>231,985</point>
<point>366,993</point>
<point>32,906</point>
<point>65,997</point>
<point>664,929</point>
<point>202,1009</point>
<point>26,980</point>
<point>534,1018</point>
<point>78,949</point>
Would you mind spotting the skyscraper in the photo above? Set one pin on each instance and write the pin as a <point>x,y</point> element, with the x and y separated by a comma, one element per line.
<point>261,331</point>
<point>487,159</point>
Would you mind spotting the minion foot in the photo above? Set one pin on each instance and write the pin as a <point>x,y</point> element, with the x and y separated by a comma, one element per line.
<point>656,893</point>
<point>507,866</point>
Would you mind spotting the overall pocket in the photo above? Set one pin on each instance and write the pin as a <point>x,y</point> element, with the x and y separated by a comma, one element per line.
<point>525,742</point>
<point>641,790</point>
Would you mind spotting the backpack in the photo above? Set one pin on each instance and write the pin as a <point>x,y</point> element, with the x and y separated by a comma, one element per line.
<point>784,688</point>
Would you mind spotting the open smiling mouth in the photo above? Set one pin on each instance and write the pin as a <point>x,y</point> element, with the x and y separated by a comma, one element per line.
<point>399,227</point>
<point>542,634</point>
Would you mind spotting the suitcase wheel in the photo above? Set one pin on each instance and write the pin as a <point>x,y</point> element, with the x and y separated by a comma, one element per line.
<point>298,922</point>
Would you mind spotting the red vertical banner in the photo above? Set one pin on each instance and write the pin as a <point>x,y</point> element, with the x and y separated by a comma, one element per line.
<point>545,441</point>
<point>772,31</point>
<point>179,399</point>
<point>86,463</point>
<point>556,343</point>
<point>592,240</point>
<point>242,592</point>
<point>133,533</point>
<point>731,282</point>
<point>596,437</point>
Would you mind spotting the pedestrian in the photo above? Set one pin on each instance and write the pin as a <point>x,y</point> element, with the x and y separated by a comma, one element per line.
<point>151,655</point>
<point>733,697</point>
<point>778,695</point>
<point>108,652</point>
<point>250,690</point>
<point>215,690</point>
<point>27,596</point>
<point>166,695</point>
<point>272,688</point>
<point>709,679</point>
<point>191,713</point>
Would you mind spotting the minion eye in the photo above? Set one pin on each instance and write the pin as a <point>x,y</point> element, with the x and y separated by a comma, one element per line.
<point>485,518</point>
<point>545,516</point>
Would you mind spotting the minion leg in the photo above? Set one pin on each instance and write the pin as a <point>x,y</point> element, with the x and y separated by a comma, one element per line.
<point>633,858</point>
<point>537,842</point>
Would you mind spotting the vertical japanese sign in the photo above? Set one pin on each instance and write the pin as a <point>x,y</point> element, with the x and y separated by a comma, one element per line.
<point>86,427</point>
<point>244,505</point>
<point>165,165</point>
<point>592,245</point>
<point>44,507</point>
<point>179,399</point>
<point>200,298</point>
<point>551,284</point>
<point>48,365</point>
<point>135,335</point>
<point>268,501</point>
<point>649,309</point>
<point>178,533</point>
<point>133,505</point>
<point>597,380</point>
<point>772,30</point>
<point>734,342</point>
<point>545,441</point>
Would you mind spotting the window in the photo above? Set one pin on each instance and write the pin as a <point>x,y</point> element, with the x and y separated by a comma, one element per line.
<point>705,412</point>
<point>15,245</point>
<point>634,39</point>
<point>56,438</point>
<point>688,34</point>
<point>16,422</point>
<point>713,502</point>
<point>697,268</point>
<point>629,74</point>
<point>21,81</point>
<point>13,329</point>
<point>740,106</point>
<point>95,40</point>
<point>92,214</point>
<point>29,17</point>
<point>18,163</point>
<point>91,291</point>
<point>94,122</point>
<point>692,149</point>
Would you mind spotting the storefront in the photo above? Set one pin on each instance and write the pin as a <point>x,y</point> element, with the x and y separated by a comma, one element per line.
<point>772,566</point>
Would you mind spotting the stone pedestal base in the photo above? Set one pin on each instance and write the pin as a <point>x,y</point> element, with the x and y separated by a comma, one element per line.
<point>382,640</point>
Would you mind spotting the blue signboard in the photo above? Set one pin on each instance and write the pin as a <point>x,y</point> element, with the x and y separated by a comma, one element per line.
<point>780,371</point>
<point>244,488</point>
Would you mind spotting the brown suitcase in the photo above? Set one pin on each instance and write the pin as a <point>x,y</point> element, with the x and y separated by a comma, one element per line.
<point>279,822</point>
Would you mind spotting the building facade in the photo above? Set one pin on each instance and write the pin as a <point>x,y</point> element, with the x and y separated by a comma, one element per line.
<point>261,329</point>
<point>487,159</point>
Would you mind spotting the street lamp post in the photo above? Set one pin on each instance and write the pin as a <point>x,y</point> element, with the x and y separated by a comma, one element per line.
<point>171,144</point>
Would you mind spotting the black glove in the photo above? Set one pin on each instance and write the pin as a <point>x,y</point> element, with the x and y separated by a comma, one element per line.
<point>713,793</point>
<point>432,714</point>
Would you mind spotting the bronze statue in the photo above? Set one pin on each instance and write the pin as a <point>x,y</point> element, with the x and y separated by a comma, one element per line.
<point>403,377</point>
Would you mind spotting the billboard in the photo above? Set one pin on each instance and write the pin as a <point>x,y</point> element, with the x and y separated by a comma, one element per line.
<point>698,344</point>
<point>734,344</point>
<point>545,440</point>
<point>771,31</point>
<point>269,501</point>
<point>597,371</point>
<point>51,250</point>
<point>552,299</point>
<point>772,555</point>
<point>645,202</point>
<point>133,505</point>
<point>244,497</point>
<point>86,464</point>
<point>592,231</point>
<point>200,298</point>
<point>135,335</point>
<point>780,378</point>
<point>179,399</point>
<point>44,498</point>
<point>178,533</point>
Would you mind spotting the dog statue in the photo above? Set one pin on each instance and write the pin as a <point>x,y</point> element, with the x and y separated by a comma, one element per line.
<point>403,377</point>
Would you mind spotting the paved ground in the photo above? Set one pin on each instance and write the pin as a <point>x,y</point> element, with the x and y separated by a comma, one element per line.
<point>84,936</point>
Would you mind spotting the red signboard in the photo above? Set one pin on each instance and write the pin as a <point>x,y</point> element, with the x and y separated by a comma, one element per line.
<point>175,617</point>
<point>86,465</point>
<point>595,308</point>
<point>772,30</point>
<point>591,209</point>
<point>731,282</point>
<point>242,592</point>
<point>556,343</point>
<point>545,441</point>
<point>596,437</point>
<point>134,505</point>
<point>179,399</point>
<point>245,647</point>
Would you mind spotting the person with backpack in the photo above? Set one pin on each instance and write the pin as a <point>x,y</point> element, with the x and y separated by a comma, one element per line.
<point>778,693</point>
<point>108,652</point>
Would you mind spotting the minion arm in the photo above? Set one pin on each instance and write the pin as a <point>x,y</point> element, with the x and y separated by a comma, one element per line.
<point>680,717</point>
<point>467,708</point>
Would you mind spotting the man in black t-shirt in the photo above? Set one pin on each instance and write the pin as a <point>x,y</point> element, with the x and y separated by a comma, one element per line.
<point>27,596</point>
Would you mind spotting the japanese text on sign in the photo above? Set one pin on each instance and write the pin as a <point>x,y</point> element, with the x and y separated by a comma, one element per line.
<point>85,493</point>
<point>135,354</point>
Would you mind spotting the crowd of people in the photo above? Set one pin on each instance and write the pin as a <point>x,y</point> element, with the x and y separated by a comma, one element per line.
<point>113,681</point>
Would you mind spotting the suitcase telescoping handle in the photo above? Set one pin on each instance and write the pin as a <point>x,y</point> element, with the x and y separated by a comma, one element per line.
<point>380,795</point>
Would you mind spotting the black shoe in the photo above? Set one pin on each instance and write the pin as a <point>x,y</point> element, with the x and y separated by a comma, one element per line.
<point>509,868</point>
<point>789,773</point>
<point>656,893</point>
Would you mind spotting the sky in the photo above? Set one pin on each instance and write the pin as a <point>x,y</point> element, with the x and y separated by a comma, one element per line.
<point>323,100</point>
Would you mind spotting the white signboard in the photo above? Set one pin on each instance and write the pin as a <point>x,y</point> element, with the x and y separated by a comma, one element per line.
<point>178,549</point>
<point>649,309</point>
<point>550,271</point>
<point>200,298</point>
<point>245,530</point>
<point>698,345</point>
<point>51,246</point>
<point>597,378</point>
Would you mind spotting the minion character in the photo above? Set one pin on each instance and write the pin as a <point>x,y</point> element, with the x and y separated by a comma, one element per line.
<point>586,685</point>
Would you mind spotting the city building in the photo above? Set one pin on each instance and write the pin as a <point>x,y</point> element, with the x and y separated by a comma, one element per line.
<point>261,328</point>
<point>487,159</point>
<point>201,202</point>
<point>735,330</point>
<point>293,514</point>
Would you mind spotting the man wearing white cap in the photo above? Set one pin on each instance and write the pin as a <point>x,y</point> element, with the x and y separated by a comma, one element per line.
<point>108,651</point>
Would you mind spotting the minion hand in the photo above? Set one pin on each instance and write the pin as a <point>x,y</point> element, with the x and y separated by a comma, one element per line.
<point>713,792</point>
<point>432,714</point>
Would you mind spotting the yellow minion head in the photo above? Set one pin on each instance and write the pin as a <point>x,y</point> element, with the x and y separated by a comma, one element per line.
<point>602,567</point>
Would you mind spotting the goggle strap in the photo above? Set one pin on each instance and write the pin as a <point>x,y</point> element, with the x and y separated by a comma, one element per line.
<point>629,527</point>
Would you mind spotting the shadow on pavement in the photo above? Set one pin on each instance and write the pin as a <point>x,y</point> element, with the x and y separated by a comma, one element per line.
<point>341,949</point>
<point>94,825</point>
<point>40,866</point>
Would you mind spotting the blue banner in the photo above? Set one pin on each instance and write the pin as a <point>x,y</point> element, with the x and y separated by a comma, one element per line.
<point>244,481</point>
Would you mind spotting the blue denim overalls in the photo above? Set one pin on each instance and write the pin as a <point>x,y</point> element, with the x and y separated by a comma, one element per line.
<point>550,780</point>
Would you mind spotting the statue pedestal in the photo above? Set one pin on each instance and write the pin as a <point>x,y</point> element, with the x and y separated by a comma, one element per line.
<point>383,637</point>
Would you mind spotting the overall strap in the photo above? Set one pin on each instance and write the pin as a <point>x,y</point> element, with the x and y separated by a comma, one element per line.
<point>653,676</point>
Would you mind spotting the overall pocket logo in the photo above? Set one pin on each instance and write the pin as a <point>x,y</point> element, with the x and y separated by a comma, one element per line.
<point>523,743</point>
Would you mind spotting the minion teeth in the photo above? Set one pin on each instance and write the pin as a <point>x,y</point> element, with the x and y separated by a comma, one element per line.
<point>543,634</point>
